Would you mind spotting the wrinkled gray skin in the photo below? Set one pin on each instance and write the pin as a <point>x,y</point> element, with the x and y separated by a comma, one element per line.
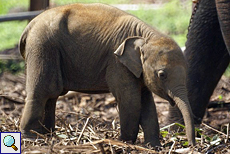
<point>207,53</point>
<point>96,49</point>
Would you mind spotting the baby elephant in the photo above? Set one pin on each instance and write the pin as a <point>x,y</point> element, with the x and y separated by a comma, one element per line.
<point>96,48</point>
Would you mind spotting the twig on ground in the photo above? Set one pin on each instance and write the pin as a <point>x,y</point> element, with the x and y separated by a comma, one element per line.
<point>78,140</point>
<point>111,148</point>
<point>213,129</point>
<point>167,127</point>
<point>38,134</point>
<point>227,135</point>
<point>170,151</point>
<point>91,130</point>
<point>183,150</point>
<point>92,144</point>
<point>69,112</point>
<point>214,148</point>
<point>51,133</point>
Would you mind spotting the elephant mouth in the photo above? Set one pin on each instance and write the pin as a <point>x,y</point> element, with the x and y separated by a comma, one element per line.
<point>171,101</point>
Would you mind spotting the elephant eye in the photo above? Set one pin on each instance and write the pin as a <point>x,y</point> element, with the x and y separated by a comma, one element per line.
<point>162,74</point>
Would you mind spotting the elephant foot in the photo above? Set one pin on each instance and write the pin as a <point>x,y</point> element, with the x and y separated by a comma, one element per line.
<point>154,144</point>
<point>34,134</point>
<point>28,135</point>
<point>127,140</point>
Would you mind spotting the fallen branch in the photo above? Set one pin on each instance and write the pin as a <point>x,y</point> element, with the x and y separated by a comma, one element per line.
<point>227,136</point>
<point>213,129</point>
<point>13,99</point>
<point>173,145</point>
<point>38,134</point>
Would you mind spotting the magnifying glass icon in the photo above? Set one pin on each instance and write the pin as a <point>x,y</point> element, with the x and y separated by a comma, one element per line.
<point>9,141</point>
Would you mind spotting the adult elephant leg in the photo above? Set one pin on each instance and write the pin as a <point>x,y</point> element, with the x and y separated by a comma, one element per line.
<point>207,58</point>
<point>223,11</point>
<point>149,120</point>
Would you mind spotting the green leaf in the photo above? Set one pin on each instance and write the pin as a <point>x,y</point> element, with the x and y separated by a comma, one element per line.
<point>164,133</point>
<point>220,97</point>
<point>180,125</point>
<point>207,138</point>
<point>185,143</point>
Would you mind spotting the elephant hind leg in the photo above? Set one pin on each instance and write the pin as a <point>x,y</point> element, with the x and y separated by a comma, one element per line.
<point>43,85</point>
<point>38,115</point>
<point>31,117</point>
<point>49,115</point>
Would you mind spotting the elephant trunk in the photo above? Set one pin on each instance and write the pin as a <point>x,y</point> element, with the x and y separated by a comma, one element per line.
<point>179,96</point>
<point>223,12</point>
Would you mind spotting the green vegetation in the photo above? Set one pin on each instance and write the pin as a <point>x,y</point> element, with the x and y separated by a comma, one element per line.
<point>6,5</point>
<point>10,33</point>
<point>13,66</point>
<point>227,71</point>
<point>63,2</point>
<point>171,19</point>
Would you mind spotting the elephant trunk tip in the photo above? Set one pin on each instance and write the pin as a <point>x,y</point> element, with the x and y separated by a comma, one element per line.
<point>192,142</point>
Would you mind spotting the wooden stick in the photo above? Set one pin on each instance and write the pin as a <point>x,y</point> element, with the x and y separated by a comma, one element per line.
<point>213,129</point>
<point>227,136</point>
<point>38,134</point>
<point>78,140</point>
<point>170,151</point>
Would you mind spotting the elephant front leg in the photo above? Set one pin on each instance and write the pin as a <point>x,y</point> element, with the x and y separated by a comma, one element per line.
<point>149,120</point>
<point>129,106</point>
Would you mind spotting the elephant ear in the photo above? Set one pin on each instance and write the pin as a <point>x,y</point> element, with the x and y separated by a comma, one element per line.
<point>129,54</point>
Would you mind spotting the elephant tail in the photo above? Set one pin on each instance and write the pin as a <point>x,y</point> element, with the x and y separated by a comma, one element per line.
<point>22,41</point>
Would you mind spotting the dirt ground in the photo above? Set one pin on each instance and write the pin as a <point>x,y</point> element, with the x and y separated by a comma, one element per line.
<point>90,123</point>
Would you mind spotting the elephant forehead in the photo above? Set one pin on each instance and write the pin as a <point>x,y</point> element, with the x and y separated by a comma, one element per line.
<point>168,58</point>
